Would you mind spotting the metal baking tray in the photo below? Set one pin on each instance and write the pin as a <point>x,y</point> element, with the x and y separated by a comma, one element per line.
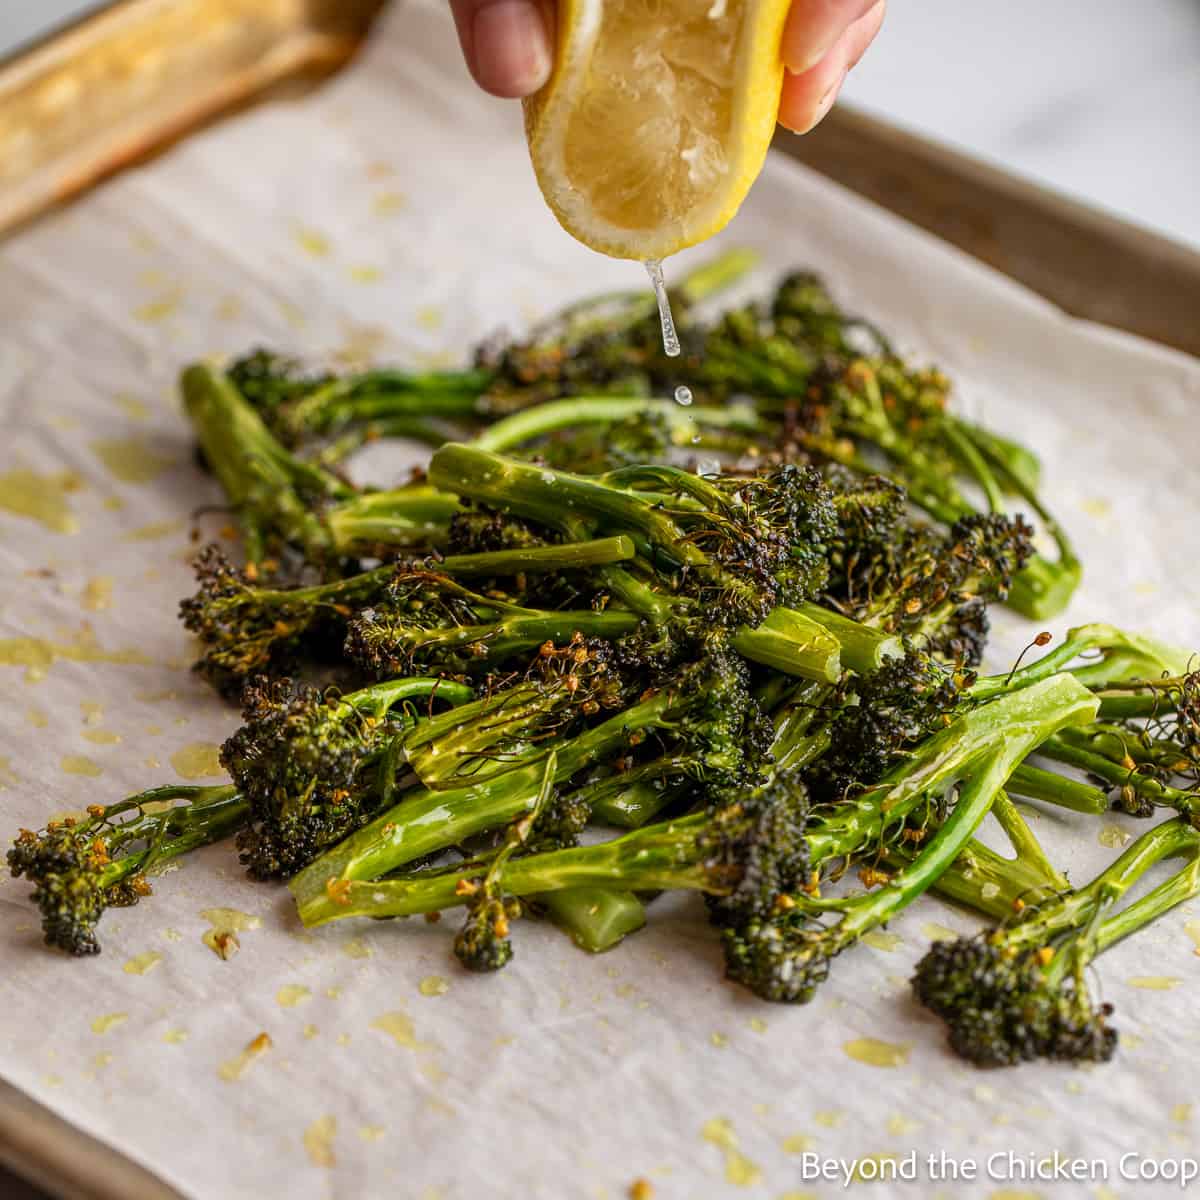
<point>127,81</point>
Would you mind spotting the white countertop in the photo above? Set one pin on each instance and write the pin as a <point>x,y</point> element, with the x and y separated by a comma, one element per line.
<point>1097,98</point>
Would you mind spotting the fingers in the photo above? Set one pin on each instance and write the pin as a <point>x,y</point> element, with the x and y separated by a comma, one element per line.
<point>814,26</point>
<point>809,95</point>
<point>506,44</point>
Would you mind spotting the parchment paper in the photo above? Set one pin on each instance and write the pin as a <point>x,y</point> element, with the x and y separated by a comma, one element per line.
<point>393,215</point>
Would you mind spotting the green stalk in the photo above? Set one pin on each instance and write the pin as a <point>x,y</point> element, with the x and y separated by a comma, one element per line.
<point>860,914</point>
<point>1043,588</point>
<point>428,820</point>
<point>1034,783</point>
<point>270,491</point>
<point>543,419</point>
<point>597,919</point>
<point>862,648</point>
<point>1121,653</point>
<point>790,641</point>
<point>411,516</point>
<point>1076,909</point>
<point>630,799</point>
<point>1149,788</point>
<point>985,881</point>
<point>667,855</point>
<point>994,736</point>
<point>211,814</point>
<point>1028,849</point>
<point>569,556</point>
<point>557,499</point>
<point>512,634</point>
<point>1183,886</point>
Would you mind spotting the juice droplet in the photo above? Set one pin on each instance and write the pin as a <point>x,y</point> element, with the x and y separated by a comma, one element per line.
<point>109,1021</point>
<point>875,1053</point>
<point>292,994</point>
<point>434,985</point>
<point>739,1170</point>
<point>670,337</point>
<point>198,760</point>
<point>1192,929</point>
<point>683,395</point>
<point>399,1027</point>
<point>1155,983</point>
<point>318,1142</point>
<point>143,963</point>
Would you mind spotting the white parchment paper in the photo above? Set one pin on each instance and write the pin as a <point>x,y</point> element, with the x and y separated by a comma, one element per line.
<point>393,215</point>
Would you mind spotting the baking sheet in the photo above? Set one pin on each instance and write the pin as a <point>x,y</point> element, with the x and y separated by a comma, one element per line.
<point>393,216</point>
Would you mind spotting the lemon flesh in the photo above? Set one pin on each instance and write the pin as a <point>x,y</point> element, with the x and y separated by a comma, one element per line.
<point>656,118</point>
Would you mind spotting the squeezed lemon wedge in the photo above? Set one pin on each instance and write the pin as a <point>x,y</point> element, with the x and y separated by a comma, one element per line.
<point>656,119</point>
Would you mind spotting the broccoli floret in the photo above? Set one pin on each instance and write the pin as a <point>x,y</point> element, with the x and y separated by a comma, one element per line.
<point>303,759</point>
<point>483,943</point>
<point>1004,1006</point>
<point>79,868</point>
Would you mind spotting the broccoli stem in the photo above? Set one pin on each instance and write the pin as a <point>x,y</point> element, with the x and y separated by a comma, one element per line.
<point>796,642</point>
<point>1122,654</point>
<point>1075,910</point>
<point>981,747</point>
<point>1146,786</point>
<point>210,814</point>
<point>556,499</point>
<point>519,632</point>
<point>410,516</point>
<point>1034,783</point>
<point>988,883</point>
<point>569,556</point>
<point>268,489</point>
<point>862,648</point>
<point>597,919</point>
<point>860,914</point>
<point>1183,886</point>
<point>791,641</point>
<point>1021,838</point>
<point>429,820</point>
<point>631,798</point>
<point>543,419</point>
<point>992,737</point>
<point>1043,588</point>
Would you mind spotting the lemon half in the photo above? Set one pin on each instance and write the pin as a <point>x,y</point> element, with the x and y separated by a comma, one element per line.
<point>656,119</point>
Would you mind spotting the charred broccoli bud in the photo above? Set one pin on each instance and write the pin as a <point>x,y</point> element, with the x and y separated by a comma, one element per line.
<point>896,706</point>
<point>248,629</point>
<point>1004,1007</point>
<point>302,757</point>
<point>479,530</point>
<point>483,943</point>
<point>1020,991</point>
<point>79,868</point>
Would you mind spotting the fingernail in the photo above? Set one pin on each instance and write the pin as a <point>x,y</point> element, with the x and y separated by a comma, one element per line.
<point>814,54</point>
<point>512,57</point>
<point>829,95</point>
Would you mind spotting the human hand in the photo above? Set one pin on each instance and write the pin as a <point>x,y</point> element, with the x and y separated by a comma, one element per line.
<point>822,41</point>
<point>507,45</point>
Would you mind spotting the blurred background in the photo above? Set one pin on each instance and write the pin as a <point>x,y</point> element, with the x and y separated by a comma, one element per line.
<point>1099,99</point>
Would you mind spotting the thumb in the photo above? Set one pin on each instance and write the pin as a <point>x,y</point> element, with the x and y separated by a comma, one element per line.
<point>506,44</point>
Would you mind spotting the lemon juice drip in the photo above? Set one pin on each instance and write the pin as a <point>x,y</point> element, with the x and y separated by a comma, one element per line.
<point>670,337</point>
<point>683,394</point>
